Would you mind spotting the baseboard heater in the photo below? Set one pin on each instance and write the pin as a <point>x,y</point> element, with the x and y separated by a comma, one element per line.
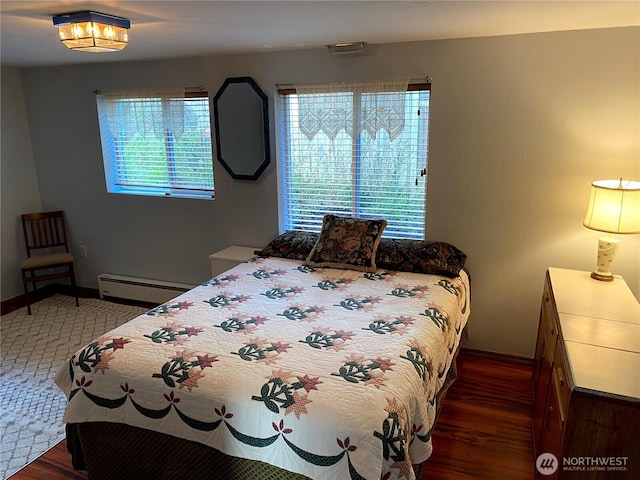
<point>141,289</point>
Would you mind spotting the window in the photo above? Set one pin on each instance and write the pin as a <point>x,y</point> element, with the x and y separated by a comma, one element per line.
<point>354,150</point>
<point>157,143</point>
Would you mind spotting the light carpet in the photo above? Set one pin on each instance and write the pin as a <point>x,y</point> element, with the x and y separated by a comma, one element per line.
<point>32,350</point>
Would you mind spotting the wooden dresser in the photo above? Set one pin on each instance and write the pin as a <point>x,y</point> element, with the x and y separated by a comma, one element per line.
<point>586,379</point>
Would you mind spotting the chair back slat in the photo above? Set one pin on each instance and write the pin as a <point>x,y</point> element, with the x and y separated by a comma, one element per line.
<point>44,230</point>
<point>55,231</point>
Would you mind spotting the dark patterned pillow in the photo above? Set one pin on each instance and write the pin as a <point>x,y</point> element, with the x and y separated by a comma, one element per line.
<point>404,255</point>
<point>347,242</point>
<point>293,244</point>
<point>420,256</point>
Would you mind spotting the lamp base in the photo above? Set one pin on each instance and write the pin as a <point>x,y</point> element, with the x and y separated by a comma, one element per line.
<point>602,278</point>
<point>607,249</point>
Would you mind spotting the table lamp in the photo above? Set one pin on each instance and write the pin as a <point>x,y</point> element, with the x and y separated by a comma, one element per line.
<point>614,207</point>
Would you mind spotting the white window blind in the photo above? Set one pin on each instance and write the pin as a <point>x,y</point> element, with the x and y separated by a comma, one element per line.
<point>157,143</point>
<point>354,151</point>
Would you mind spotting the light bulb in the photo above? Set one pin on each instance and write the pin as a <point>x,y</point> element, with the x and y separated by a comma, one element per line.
<point>77,31</point>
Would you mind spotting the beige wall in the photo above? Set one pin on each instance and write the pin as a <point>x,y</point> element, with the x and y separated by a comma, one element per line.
<point>19,187</point>
<point>520,125</point>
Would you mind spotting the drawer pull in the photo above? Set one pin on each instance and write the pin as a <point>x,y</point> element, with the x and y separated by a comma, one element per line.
<point>561,378</point>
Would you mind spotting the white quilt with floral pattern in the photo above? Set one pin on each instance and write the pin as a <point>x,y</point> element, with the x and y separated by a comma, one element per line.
<point>325,372</point>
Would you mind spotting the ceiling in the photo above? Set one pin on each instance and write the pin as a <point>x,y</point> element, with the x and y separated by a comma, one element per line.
<point>167,29</point>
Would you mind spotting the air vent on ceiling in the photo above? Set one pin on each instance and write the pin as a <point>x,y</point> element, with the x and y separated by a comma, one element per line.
<point>348,49</point>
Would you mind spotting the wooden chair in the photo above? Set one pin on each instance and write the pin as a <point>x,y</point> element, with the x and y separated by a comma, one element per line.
<point>46,232</point>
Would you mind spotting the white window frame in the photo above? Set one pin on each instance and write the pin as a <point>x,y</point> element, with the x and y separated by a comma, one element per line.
<point>111,152</point>
<point>420,175</point>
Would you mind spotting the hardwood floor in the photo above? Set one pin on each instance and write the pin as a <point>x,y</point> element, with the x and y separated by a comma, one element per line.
<point>483,432</point>
<point>484,428</point>
<point>53,465</point>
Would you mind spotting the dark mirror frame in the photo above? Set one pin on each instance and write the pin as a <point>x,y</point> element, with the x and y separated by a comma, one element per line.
<point>228,163</point>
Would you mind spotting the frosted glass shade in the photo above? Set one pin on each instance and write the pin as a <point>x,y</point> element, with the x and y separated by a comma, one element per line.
<point>92,31</point>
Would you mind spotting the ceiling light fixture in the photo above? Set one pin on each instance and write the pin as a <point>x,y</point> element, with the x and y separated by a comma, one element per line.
<point>92,32</point>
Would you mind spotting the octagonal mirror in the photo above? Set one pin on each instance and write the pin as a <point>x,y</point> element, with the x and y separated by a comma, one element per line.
<point>241,114</point>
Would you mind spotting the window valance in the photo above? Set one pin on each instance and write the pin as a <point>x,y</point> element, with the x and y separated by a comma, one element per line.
<point>149,112</point>
<point>328,108</point>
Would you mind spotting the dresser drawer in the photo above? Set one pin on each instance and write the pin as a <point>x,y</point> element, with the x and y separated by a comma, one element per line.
<point>561,386</point>
<point>549,318</point>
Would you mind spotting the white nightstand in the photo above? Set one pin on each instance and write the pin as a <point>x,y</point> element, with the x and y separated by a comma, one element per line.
<point>230,257</point>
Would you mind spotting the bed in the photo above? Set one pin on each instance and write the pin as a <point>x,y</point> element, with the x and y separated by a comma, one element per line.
<point>319,358</point>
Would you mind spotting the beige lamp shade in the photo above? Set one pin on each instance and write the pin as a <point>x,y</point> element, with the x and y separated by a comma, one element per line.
<point>614,206</point>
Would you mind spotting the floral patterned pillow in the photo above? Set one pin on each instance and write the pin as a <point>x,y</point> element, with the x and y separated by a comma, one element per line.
<point>346,242</point>
<point>292,244</point>
<point>404,255</point>
<point>420,256</point>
